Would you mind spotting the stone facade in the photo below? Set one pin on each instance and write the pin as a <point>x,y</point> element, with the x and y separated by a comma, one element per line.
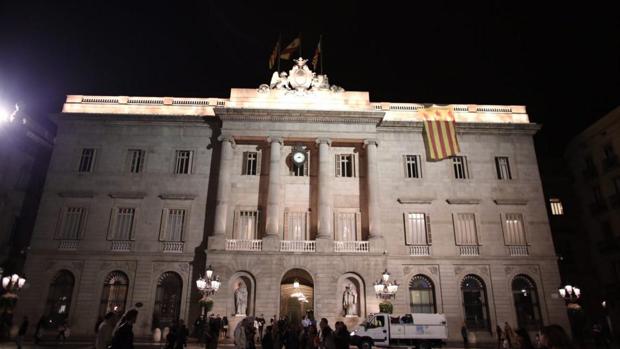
<point>369,207</point>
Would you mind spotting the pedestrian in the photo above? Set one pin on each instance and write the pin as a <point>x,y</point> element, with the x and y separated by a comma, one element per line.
<point>122,338</point>
<point>342,336</point>
<point>250,333</point>
<point>181,337</point>
<point>225,326</point>
<point>213,332</point>
<point>38,332</point>
<point>508,334</point>
<point>522,339</point>
<point>499,332</point>
<point>171,336</point>
<point>267,340</point>
<point>62,332</point>
<point>261,326</point>
<point>23,328</point>
<point>327,335</point>
<point>199,328</point>
<point>554,337</point>
<point>104,332</point>
<point>464,335</point>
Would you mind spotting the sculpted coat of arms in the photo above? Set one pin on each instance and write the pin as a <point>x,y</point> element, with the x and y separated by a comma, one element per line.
<point>300,79</point>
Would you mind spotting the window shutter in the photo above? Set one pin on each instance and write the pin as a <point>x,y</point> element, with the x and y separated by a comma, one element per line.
<point>258,162</point>
<point>337,166</point>
<point>83,218</point>
<point>244,164</point>
<point>429,239</point>
<point>134,221</point>
<point>497,169</point>
<point>405,166</point>
<point>407,232</point>
<point>419,165</point>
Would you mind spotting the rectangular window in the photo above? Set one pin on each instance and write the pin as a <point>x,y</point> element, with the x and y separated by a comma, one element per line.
<point>183,162</point>
<point>461,170</point>
<point>503,168</point>
<point>417,229</point>
<point>465,229</point>
<point>346,226</point>
<point>514,234</point>
<point>250,163</point>
<point>136,160</point>
<point>73,223</point>
<point>174,225</point>
<point>87,160</point>
<point>247,225</point>
<point>345,165</point>
<point>296,225</point>
<point>302,170</point>
<point>556,207</point>
<point>123,224</point>
<point>413,166</point>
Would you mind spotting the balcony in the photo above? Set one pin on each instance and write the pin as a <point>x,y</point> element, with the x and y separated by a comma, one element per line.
<point>597,207</point>
<point>419,250</point>
<point>469,250</point>
<point>121,246</point>
<point>297,246</point>
<point>351,246</point>
<point>610,163</point>
<point>518,250</point>
<point>68,245</point>
<point>172,246</point>
<point>244,245</point>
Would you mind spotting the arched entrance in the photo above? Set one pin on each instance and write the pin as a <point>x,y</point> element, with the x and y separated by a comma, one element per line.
<point>296,295</point>
<point>167,306</point>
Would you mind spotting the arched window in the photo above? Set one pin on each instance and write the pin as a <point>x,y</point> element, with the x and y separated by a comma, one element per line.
<point>526,302</point>
<point>167,300</point>
<point>114,294</point>
<point>422,295</point>
<point>59,297</point>
<point>475,303</point>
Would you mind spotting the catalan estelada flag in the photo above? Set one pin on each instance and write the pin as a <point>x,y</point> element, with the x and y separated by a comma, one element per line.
<point>289,50</point>
<point>440,132</point>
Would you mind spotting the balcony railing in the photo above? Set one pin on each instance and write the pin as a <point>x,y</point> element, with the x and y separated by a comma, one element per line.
<point>68,245</point>
<point>420,250</point>
<point>297,246</point>
<point>121,246</point>
<point>469,250</point>
<point>244,245</point>
<point>518,250</point>
<point>351,246</point>
<point>172,246</point>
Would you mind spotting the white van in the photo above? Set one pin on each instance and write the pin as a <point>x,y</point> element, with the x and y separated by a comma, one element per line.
<point>423,331</point>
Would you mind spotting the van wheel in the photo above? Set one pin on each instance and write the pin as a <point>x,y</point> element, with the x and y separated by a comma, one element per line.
<point>366,344</point>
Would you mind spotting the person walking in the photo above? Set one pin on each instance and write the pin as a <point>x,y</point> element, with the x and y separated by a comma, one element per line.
<point>522,339</point>
<point>122,338</point>
<point>327,335</point>
<point>104,331</point>
<point>38,330</point>
<point>23,328</point>
<point>62,332</point>
<point>554,337</point>
<point>509,334</point>
<point>182,333</point>
<point>225,326</point>
<point>464,335</point>
<point>500,336</point>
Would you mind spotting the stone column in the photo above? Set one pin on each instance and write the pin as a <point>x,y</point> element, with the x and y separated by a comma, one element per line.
<point>272,229</point>
<point>325,234</point>
<point>372,177</point>
<point>218,240</point>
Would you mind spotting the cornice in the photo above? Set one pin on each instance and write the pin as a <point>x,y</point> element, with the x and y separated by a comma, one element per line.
<point>177,196</point>
<point>464,127</point>
<point>306,116</point>
<point>77,194</point>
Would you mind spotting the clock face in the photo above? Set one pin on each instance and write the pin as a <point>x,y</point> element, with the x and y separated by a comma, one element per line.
<point>299,157</point>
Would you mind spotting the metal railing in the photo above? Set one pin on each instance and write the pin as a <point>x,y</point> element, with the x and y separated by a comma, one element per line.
<point>68,245</point>
<point>420,250</point>
<point>297,246</point>
<point>172,246</point>
<point>121,246</point>
<point>518,250</point>
<point>244,245</point>
<point>351,246</point>
<point>469,250</point>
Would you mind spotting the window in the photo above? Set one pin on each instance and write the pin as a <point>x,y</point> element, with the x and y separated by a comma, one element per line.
<point>87,160</point>
<point>413,166</point>
<point>556,207</point>
<point>123,226</point>
<point>167,300</point>
<point>417,229</point>
<point>296,226</point>
<point>72,224</point>
<point>475,303</point>
<point>526,303</point>
<point>301,170</point>
<point>422,295</point>
<point>250,163</point>
<point>247,225</point>
<point>465,229</point>
<point>173,224</point>
<point>461,170</point>
<point>114,295</point>
<point>514,234</point>
<point>345,165</point>
<point>59,297</point>
<point>136,159</point>
<point>346,226</point>
<point>503,168</point>
<point>183,163</point>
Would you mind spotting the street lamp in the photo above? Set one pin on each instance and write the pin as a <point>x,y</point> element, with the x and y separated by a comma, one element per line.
<point>208,285</point>
<point>384,288</point>
<point>570,294</point>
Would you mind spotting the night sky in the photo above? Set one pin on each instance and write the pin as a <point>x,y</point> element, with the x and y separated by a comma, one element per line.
<point>562,62</point>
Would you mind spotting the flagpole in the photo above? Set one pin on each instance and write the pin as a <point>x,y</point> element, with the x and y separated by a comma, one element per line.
<point>321,52</point>
<point>299,44</point>
<point>279,49</point>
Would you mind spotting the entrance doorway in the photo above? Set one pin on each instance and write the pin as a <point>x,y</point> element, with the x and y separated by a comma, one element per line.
<point>296,295</point>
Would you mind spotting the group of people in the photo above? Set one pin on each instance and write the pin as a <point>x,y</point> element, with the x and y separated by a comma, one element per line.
<point>115,333</point>
<point>549,337</point>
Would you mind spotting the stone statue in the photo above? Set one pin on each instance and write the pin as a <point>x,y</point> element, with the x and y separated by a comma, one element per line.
<point>349,301</point>
<point>279,81</point>
<point>241,299</point>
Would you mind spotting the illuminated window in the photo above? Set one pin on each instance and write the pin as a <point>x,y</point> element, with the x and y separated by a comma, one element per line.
<point>556,207</point>
<point>114,295</point>
<point>514,234</point>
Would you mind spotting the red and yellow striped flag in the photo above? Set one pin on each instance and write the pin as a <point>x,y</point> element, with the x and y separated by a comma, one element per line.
<point>440,132</point>
<point>289,50</point>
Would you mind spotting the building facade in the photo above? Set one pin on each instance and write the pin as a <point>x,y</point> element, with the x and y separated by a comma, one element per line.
<point>144,192</point>
<point>594,165</point>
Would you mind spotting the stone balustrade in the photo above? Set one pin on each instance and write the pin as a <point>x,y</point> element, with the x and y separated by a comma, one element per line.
<point>244,245</point>
<point>297,246</point>
<point>518,250</point>
<point>68,245</point>
<point>469,250</point>
<point>351,246</point>
<point>419,250</point>
<point>172,246</point>
<point>121,246</point>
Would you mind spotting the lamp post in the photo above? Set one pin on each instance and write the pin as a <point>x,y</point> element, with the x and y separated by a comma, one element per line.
<point>208,286</point>
<point>11,285</point>
<point>570,294</point>
<point>385,290</point>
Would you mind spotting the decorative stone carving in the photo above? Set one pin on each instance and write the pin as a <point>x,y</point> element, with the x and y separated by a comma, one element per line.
<point>434,270</point>
<point>299,80</point>
<point>241,299</point>
<point>349,301</point>
<point>458,270</point>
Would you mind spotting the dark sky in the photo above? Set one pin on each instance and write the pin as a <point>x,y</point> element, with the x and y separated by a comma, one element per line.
<point>562,62</point>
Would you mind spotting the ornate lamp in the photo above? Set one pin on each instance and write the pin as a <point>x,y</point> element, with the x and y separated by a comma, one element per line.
<point>570,294</point>
<point>13,283</point>
<point>384,288</point>
<point>210,284</point>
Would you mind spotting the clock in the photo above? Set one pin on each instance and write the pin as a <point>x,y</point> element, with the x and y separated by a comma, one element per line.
<point>299,157</point>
